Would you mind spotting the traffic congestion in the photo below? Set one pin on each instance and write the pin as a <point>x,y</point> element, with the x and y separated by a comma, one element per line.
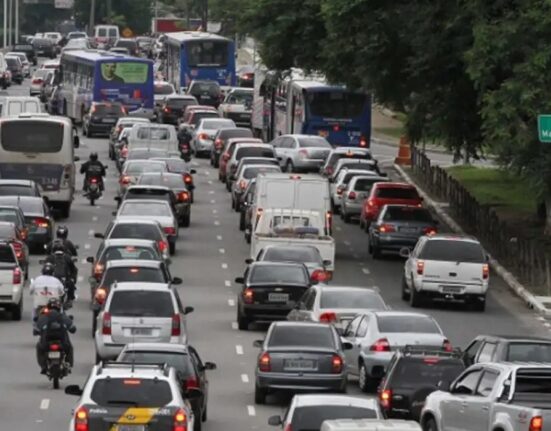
<point>191,242</point>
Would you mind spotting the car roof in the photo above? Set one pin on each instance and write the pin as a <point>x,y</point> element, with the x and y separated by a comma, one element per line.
<point>290,247</point>
<point>392,185</point>
<point>147,187</point>
<point>11,207</point>
<point>127,241</point>
<point>157,347</point>
<point>453,237</point>
<point>118,370</point>
<point>278,263</point>
<point>7,223</point>
<point>130,220</point>
<point>295,324</point>
<point>514,338</point>
<point>144,201</point>
<point>399,313</point>
<point>304,400</point>
<point>251,145</point>
<point>29,183</point>
<point>132,285</point>
<point>263,166</point>
<point>19,198</point>
<point>335,288</point>
<point>122,263</point>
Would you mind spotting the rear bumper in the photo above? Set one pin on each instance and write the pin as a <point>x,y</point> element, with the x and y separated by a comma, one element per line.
<point>297,382</point>
<point>10,295</point>
<point>36,239</point>
<point>449,290</point>
<point>100,127</point>
<point>202,145</point>
<point>354,209</point>
<point>381,359</point>
<point>309,164</point>
<point>394,242</point>
<point>266,312</point>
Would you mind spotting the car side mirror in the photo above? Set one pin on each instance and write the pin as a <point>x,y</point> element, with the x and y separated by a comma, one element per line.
<point>405,252</point>
<point>249,261</point>
<point>193,171</point>
<point>347,345</point>
<point>73,390</point>
<point>76,141</point>
<point>177,280</point>
<point>240,280</point>
<point>76,159</point>
<point>90,259</point>
<point>114,213</point>
<point>327,262</point>
<point>209,366</point>
<point>98,235</point>
<point>258,343</point>
<point>188,310</point>
<point>275,421</point>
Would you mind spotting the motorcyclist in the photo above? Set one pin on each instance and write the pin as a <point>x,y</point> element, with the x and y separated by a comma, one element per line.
<point>53,326</point>
<point>184,140</point>
<point>92,168</point>
<point>45,287</point>
<point>62,233</point>
<point>64,266</point>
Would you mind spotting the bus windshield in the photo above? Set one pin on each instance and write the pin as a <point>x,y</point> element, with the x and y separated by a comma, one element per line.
<point>207,53</point>
<point>336,104</point>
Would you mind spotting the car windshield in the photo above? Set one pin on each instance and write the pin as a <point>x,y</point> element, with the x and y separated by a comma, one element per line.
<point>407,323</point>
<point>131,392</point>
<point>180,103</point>
<point>452,251</point>
<point>343,298</point>
<point>240,98</point>
<point>172,181</point>
<point>310,418</point>
<point>15,190</point>
<point>7,214</point>
<point>300,255</point>
<point>365,184</point>
<point>138,168</point>
<point>279,274</point>
<point>179,360</point>
<point>213,124</point>
<point>425,372</point>
<point>133,273</point>
<point>141,303</point>
<point>529,352</point>
<point>198,116</point>
<point>164,89</point>
<point>407,214</point>
<point>136,231</point>
<point>144,208</point>
<point>252,172</point>
<point>397,193</point>
<point>301,336</point>
<point>313,142</point>
<point>122,252</point>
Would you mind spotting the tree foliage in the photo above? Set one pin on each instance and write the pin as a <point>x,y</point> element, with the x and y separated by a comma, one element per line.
<point>135,14</point>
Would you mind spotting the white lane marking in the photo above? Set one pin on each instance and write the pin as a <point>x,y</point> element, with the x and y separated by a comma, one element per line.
<point>209,182</point>
<point>234,325</point>
<point>83,261</point>
<point>231,302</point>
<point>216,223</point>
<point>239,349</point>
<point>366,271</point>
<point>347,243</point>
<point>39,421</point>
<point>547,325</point>
<point>224,266</point>
<point>91,233</point>
<point>214,211</point>
<point>540,318</point>
<point>251,410</point>
<point>227,283</point>
<point>361,263</point>
<point>80,279</point>
<point>212,201</point>
<point>355,256</point>
<point>95,218</point>
<point>211,192</point>
<point>45,404</point>
<point>244,378</point>
<point>86,246</point>
<point>219,237</point>
<point>207,173</point>
<point>339,228</point>
<point>221,250</point>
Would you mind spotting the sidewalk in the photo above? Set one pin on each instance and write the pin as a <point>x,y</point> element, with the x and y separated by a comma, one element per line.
<point>540,304</point>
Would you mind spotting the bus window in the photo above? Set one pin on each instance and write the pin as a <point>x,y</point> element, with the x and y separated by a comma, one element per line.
<point>336,104</point>
<point>207,53</point>
<point>32,137</point>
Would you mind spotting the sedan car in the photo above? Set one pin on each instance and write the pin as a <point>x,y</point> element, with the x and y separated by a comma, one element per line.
<point>336,304</point>
<point>191,370</point>
<point>10,233</point>
<point>131,171</point>
<point>328,168</point>
<point>237,106</point>
<point>341,181</point>
<point>122,123</point>
<point>375,335</point>
<point>14,215</point>
<point>507,348</point>
<point>162,90</point>
<point>206,92</point>
<point>203,136</point>
<point>173,108</point>
<point>180,167</point>
<point>101,118</point>
<point>37,80</point>
<point>26,49</point>
<point>222,137</point>
<point>19,188</point>
<point>270,290</point>
<point>300,356</point>
<point>157,210</point>
<point>298,153</point>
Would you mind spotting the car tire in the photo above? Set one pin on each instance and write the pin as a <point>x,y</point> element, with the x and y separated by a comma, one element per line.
<point>228,186</point>
<point>242,322</point>
<point>241,221</point>
<point>186,220</point>
<point>376,252</point>
<point>17,311</point>
<point>479,304</point>
<point>204,414</point>
<point>362,223</point>
<point>197,424</point>
<point>65,209</point>
<point>405,293</point>
<point>365,382</point>
<point>430,425</point>
<point>172,248</point>
<point>260,395</point>
<point>414,297</point>
<point>345,217</point>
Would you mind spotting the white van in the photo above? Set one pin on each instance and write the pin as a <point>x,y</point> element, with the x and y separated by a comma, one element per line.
<point>153,135</point>
<point>105,36</point>
<point>369,425</point>
<point>40,147</point>
<point>15,105</point>
<point>292,191</point>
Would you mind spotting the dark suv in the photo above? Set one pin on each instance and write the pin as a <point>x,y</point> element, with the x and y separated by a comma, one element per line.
<point>45,47</point>
<point>173,108</point>
<point>101,118</point>
<point>206,92</point>
<point>413,373</point>
<point>16,69</point>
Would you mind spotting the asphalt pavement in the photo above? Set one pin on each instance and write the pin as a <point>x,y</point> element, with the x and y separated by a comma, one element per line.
<point>210,254</point>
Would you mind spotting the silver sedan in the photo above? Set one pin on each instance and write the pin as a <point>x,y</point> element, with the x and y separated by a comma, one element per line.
<point>301,152</point>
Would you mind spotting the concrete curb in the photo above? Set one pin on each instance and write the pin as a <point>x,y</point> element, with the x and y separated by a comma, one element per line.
<point>391,143</point>
<point>509,279</point>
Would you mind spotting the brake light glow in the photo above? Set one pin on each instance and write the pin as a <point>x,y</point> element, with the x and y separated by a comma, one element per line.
<point>264,362</point>
<point>431,360</point>
<point>94,180</point>
<point>81,419</point>
<point>106,324</point>
<point>162,245</point>
<point>192,383</point>
<point>176,329</point>
<point>100,295</point>
<point>429,231</point>
<point>242,184</point>
<point>328,317</point>
<point>336,364</point>
<point>93,109</point>
<point>188,179</point>
<point>37,81</point>
<point>98,269</point>
<point>54,347</point>
<point>167,110</point>
<point>169,230</point>
<point>294,177</point>
<point>248,296</point>
<point>485,271</point>
<point>180,421</point>
<point>203,136</point>
<point>124,151</point>
<point>363,141</point>
<point>536,424</point>
<point>132,382</point>
<point>381,345</point>
<point>319,275</point>
<point>420,267</point>
<point>352,195</point>
<point>218,143</point>
<point>385,397</point>
<point>134,270</point>
<point>41,222</point>
<point>16,275</point>
<point>125,179</point>
<point>386,228</point>
<point>183,196</point>
<point>447,346</point>
<point>336,128</point>
<point>340,190</point>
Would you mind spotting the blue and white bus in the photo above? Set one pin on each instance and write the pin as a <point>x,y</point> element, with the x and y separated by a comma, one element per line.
<point>313,107</point>
<point>193,55</point>
<point>98,76</point>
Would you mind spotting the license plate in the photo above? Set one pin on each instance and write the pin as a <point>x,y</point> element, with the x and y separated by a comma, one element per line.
<point>54,355</point>
<point>204,96</point>
<point>299,364</point>
<point>141,331</point>
<point>408,229</point>
<point>244,116</point>
<point>129,428</point>
<point>108,120</point>
<point>278,297</point>
<point>451,289</point>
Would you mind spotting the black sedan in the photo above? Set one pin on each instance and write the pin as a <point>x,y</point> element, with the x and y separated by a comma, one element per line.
<point>399,226</point>
<point>173,108</point>
<point>101,118</point>
<point>270,291</point>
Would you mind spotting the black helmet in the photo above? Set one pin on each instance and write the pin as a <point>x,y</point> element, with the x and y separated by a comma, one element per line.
<point>94,157</point>
<point>48,269</point>
<point>58,246</point>
<point>62,232</point>
<point>54,304</point>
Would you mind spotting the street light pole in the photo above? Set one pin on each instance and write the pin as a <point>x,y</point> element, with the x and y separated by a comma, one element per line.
<point>10,21</point>
<point>5,23</point>
<point>16,39</point>
<point>92,17</point>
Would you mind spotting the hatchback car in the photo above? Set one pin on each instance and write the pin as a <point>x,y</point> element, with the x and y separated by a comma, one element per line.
<point>11,234</point>
<point>222,137</point>
<point>297,356</point>
<point>139,312</point>
<point>162,90</point>
<point>227,152</point>
<point>355,192</point>
<point>101,118</point>
<point>245,150</point>
<point>356,164</point>
<point>237,106</point>
<point>26,49</point>
<point>328,168</point>
<point>176,182</point>
<point>37,80</point>
<point>206,92</point>
<point>131,171</point>
<point>16,68</point>
<point>305,254</point>
<point>341,181</point>
<point>44,47</point>
<point>14,215</point>
<point>298,153</point>
<point>122,123</point>
<point>204,133</point>
<point>173,108</point>
<point>24,61</point>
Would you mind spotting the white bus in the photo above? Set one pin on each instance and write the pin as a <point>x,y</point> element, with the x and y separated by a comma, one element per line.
<point>40,147</point>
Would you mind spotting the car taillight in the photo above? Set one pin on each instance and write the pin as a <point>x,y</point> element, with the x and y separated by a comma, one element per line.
<point>169,230</point>
<point>289,427</point>
<point>163,245</point>
<point>329,170</point>
<point>24,234</point>
<point>188,179</point>
<point>363,141</point>
<point>16,276</point>
<point>303,154</point>
<point>340,190</point>
<point>55,347</point>
<point>536,424</point>
<point>328,221</point>
<point>93,110</point>
<point>98,269</point>
<point>429,231</point>
<point>225,157</point>
<point>242,184</point>
<point>218,143</point>
<point>203,136</point>
<point>420,267</point>
<point>264,362</point>
<point>386,228</point>
<point>485,271</point>
<point>18,248</point>
<point>320,276</point>
<point>176,330</point>
<point>385,398</point>
<point>381,345</point>
<point>180,421</point>
<point>447,346</point>
<point>81,419</point>
<point>183,197</point>
<point>101,295</point>
<point>248,296</point>
<point>41,222</point>
<point>328,317</point>
<point>167,110</point>
<point>37,81</point>
<point>192,383</point>
<point>336,364</point>
<point>106,324</point>
<point>352,195</point>
<point>336,128</point>
<point>125,179</point>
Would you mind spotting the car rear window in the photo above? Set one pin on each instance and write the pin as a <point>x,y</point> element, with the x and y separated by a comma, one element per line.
<point>253,172</point>
<point>299,336</point>
<point>172,181</point>
<point>254,152</point>
<point>180,103</point>
<point>9,215</point>
<point>198,116</point>
<point>6,254</point>
<point>180,361</point>
<point>130,252</point>
<point>12,62</point>
<point>408,214</point>
<point>351,299</point>
<point>427,371</point>
<point>365,185</point>
<point>29,136</point>
<point>279,274</point>
<point>15,190</point>
<point>533,381</point>
<point>131,44</point>
<point>136,231</point>
<point>108,109</point>
<point>300,255</point>
<point>407,323</point>
<point>529,352</point>
<point>217,124</point>
<point>28,206</point>
<point>133,273</point>
<point>310,418</point>
<point>129,208</point>
<point>313,142</point>
<point>164,89</point>
<point>146,154</point>
<point>138,168</point>
<point>397,193</point>
<point>139,303</point>
<point>202,87</point>
<point>452,251</point>
<point>131,392</point>
<point>235,133</point>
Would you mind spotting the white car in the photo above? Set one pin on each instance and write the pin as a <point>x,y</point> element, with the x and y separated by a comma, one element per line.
<point>24,61</point>
<point>341,181</point>
<point>237,106</point>
<point>11,281</point>
<point>204,133</point>
<point>162,89</point>
<point>446,267</point>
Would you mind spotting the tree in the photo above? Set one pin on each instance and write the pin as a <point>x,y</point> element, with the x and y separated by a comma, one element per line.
<point>135,14</point>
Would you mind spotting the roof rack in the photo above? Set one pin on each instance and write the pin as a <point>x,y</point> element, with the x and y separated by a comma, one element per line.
<point>133,365</point>
<point>409,350</point>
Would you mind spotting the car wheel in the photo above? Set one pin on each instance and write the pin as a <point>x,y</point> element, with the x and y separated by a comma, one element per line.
<point>414,297</point>
<point>197,424</point>
<point>204,415</point>
<point>237,206</point>
<point>376,252</point>
<point>479,304</point>
<point>289,167</point>
<point>186,220</point>
<point>405,292</point>
<point>365,382</point>
<point>242,221</point>
<point>362,224</point>
<point>260,395</point>
<point>172,247</point>
<point>228,185</point>
<point>430,425</point>
<point>242,322</point>
<point>17,311</point>
<point>345,216</point>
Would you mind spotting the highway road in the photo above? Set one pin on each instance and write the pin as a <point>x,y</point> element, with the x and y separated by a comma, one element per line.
<point>210,255</point>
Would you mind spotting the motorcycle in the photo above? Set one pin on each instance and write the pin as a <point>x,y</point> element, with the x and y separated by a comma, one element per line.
<point>185,151</point>
<point>94,189</point>
<point>57,367</point>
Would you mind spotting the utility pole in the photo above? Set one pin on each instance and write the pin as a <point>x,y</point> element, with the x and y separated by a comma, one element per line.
<point>109,9</point>
<point>5,23</point>
<point>10,21</point>
<point>205,14</point>
<point>92,17</point>
<point>16,39</point>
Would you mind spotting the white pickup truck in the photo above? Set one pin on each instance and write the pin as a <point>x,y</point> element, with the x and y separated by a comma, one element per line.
<point>11,281</point>
<point>492,397</point>
<point>292,226</point>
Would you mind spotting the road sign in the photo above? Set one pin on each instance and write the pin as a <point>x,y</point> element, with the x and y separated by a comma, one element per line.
<point>127,32</point>
<point>544,128</point>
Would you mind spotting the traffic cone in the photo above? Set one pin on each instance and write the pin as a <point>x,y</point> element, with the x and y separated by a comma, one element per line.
<point>404,153</point>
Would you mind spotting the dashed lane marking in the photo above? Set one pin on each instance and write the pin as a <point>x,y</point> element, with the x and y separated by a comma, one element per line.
<point>244,378</point>
<point>221,250</point>
<point>209,181</point>
<point>355,256</point>
<point>227,283</point>
<point>91,233</point>
<point>234,325</point>
<point>219,237</point>
<point>80,279</point>
<point>347,243</point>
<point>366,271</point>
<point>224,266</point>
<point>216,223</point>
<point>86,246</point>
<point>231,302</point>
<point>239,349</point>
<point>212,201</point>
<point>83,261</point>
<point>251,410</point>
<point>95,218</point>
<point>214,211</point>
<point>45,404</point>
<point>211,192</point>
<point>339,228</point>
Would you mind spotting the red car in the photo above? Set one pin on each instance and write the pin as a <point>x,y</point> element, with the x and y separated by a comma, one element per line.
<point>382,194</point>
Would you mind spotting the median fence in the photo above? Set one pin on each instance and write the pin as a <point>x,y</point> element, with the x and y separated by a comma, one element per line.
<point>525,257</point>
